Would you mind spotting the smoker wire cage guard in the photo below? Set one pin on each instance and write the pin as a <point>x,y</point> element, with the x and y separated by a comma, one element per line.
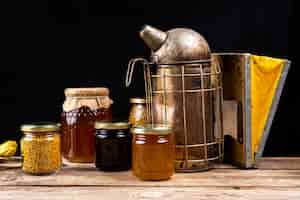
<point>188,97</point>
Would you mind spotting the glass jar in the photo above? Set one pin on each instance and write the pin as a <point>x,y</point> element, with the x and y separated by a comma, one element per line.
<point>137,115</point>
<point>82,107</point>
<point>153,152</point>
<point>40,148</point>
<point>113,146</point>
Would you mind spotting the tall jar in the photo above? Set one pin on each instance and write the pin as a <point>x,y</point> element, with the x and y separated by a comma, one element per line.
<point>82,107</point>
<point>153,152</point>
<point>40,148</point>
<point>137,115</point>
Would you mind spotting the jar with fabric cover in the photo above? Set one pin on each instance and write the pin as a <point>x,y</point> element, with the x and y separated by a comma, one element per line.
<point>82,107</point>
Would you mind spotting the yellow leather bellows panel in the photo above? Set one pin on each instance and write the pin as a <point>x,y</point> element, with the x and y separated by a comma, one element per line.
<point>265,76</point>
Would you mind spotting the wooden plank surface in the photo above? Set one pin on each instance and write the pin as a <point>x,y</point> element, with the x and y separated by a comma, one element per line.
<point>132,193</point>
<point>215,178</point>
<point>279,163</point>
<point>277,178</point>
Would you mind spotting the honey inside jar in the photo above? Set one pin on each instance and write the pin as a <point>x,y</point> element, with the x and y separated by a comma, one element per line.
<point>153,151</point>
<point>137,115</point>
<point>82,107</point>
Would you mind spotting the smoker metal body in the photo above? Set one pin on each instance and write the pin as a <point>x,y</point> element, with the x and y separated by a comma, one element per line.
<point>188,97</point>
<point>244,143</point>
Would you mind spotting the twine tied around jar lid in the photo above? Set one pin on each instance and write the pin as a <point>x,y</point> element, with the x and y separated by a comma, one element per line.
<point>81,92</point>
<point>94,98</point>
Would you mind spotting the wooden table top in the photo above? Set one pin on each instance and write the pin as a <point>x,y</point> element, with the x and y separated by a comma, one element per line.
<point>276,178</point>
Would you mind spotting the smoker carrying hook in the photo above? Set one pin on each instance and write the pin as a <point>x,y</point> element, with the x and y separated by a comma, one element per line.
<point>130,69</point>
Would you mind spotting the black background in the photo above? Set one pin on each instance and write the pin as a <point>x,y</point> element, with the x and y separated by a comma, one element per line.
<point>51,45</point>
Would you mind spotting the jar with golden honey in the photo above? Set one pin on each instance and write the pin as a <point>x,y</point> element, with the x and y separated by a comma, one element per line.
<point>153,152</point>
<point>40,148</point>
<point>82,107</point>
<point>137,115</point>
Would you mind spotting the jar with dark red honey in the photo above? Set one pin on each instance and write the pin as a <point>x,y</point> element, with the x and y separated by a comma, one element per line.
<point>81,109</point>
<point>113,146</point>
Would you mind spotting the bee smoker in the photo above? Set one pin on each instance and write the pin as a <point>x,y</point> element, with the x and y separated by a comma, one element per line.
<point>184,90</point>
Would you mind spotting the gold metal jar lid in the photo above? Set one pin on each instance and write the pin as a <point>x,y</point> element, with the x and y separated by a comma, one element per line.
<point>137,100</point>
<point>112,125</point>
<point>97,91</point>
<point>41,127</point>
<point>152,129</point>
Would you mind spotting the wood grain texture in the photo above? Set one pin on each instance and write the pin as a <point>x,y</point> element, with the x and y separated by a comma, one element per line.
<point>132,193</point>
<point>214,178</point>
<point>226,182</point>
<point>279,163</point>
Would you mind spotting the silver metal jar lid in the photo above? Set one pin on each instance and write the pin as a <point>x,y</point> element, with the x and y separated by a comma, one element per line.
<point>152,129</point>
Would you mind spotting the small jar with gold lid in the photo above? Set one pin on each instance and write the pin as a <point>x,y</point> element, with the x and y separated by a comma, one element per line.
<point>40,148</point>
<point>153,152</point>
<point>113,146</point>
<point>137,115</point>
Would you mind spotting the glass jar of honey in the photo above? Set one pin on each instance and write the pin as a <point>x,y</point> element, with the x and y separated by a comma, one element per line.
<point>113,146</point>
<point>137,115</point>
<point>153,152</point>
<point>40,148</point>
<point>82,107</point>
